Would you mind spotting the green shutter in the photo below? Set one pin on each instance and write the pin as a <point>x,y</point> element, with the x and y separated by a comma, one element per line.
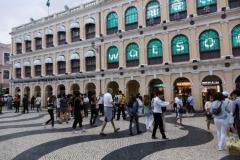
<point>180,45</point>
<point>131,15</point>
<point>154,48</point>
<point>209,40</point>
<point>177,6</point>
<point>112,55</point>
<point>112,20</point>
<point>153,10</point>
<point>132,51</point>
<point>201,3</point>
<point>236,36</point>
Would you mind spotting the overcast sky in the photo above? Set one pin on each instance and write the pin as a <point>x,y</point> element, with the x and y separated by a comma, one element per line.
<point>17,12</point>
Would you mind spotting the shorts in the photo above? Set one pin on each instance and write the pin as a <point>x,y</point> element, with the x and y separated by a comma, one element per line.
<point>230,125</point>
<point>65,109</point>
<point>179,115</point>
<point>209,117</point>
<point>58,110</point>
<point>108,113</point>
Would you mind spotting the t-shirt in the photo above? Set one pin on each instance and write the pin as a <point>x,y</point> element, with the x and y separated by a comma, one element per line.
<point>38,100</point>
<point>63,103</point>
<point>58,102</point>
<point>100,99</point>
<point>121,99</point>
<point>92,100</point>
<point>77,106</point>
<point>107,99</point>
<point>86,100</point>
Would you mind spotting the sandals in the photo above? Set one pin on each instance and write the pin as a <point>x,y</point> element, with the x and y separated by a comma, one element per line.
<point>117,130</point>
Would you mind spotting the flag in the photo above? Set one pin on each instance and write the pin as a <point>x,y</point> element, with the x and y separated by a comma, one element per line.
<point>48,3</point>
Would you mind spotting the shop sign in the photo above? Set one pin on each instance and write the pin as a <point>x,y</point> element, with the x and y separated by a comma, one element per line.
<point>210,83</point>
<point>185,84</point>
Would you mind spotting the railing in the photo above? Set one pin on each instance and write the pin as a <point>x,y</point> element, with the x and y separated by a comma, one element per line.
<point>90,4</point>
<point>75,9</point>
<point>61,14</point>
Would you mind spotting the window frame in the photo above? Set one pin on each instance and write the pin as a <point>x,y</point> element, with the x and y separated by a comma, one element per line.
<point>154,59</point>
<point>131,24</point>
<point>4,74</point>
<point>38,46</point>
<point>49,68</point>
<point>112,64</point>
<point>49,41</point>
<point>61,38</point>
<point>180,56</point>
<point>90,63</point>
<point>18,72</point>
<point>27,71</point>
<point>75,65</point>
<point>75,38</point>
<point>90,31</point>
<point>134,61</point>
<point>111,19</point>
<point>154,19</point>
<point>38,70</point>
<point>61,67</point>
<point>235,45</point>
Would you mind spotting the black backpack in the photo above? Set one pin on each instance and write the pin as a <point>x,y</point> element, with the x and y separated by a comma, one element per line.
<point>217,111</point>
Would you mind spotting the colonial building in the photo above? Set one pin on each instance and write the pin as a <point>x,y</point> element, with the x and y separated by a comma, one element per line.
<point>177,46</point>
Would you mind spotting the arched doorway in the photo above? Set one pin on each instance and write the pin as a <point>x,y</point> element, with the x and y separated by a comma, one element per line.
<point>61,90</point>
<point>115,87</point>
<point>237,82</point>
<point>155,85</point>
<point>48,91</point>
<point>75,87</point>
<point>90,88</point>
<point>17,91</point>
<point>182,86</point>
<point>27,91</point>
<point>133,88</point>
<point>37,91</point>
<point>211,85</point>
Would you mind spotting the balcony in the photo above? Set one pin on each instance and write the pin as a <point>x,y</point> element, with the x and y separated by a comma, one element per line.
<point>133,63</point>
<point>236,51</point>
<point>113,65</point>
<point>61,41</point>
<point>180,57</point>
<point>113,30</point>
<point>49,44</point>
<point>155,60</point>
<point>38,47</point>
<point>90,35</point>
<point>131,26</point>
<point>213,54</point>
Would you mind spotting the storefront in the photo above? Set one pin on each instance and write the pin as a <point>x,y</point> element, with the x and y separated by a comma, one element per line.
<point>182,86</point>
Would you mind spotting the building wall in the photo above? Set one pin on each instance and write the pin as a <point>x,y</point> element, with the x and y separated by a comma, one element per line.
<point>130,80</point>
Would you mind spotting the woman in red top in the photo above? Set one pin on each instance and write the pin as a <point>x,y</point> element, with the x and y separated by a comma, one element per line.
<point>17,103</point>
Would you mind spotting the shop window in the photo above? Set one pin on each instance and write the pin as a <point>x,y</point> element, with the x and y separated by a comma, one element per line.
<point>90,63</point>
<point>75,65</point>
<point>112,58</point>
<point>38,70</point>
<point>49,68</point>
<point>18,72</point>
<point>132,54</point>
<point>236,40</point>
<point>234,3</point>
<point>28,46</point>
<point>6,57</point>
<point>61,38</point>
<point>131,19</point>
<point>153,13</point>
<point>49,39</point>
<point>19,48</point>
<point>5,74</point>
<point>90,31</point>
<point>61,67</point>
<point>38,43</point>
<point>75,34</point>
<point>178,9</point>
<point>112,23</point>
<point>27,71</point>
<point>154,52</point>
<point>206,6</point>
<point>180,49</point>
<point>209,45</point>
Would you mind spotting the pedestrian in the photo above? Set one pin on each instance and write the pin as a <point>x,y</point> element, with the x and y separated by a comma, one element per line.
<point>86,104</point>
<point>175,104</point>
<point>133,113</point>
<point>78,106</point>
<point>108,111</point>
<point>9,102</point>
<point>63,109</point>
<point>148,112</point>
<point>236,110</point>
<point>1,103</point>
<point>121,106</point>
<point>32,102</point>
<point>220,119</point>
<point>25,103</point>
<point>179,103</point>
<point>69,104</point>
<point>190,101</point>
<point>208,114</point>
<point>51,104</point>
<point>94,113</point>
<point>100,103</point>
<point>17,103</point>
<point>59,97</point>
<point>38,103</point>
<point>116,102</point>
<point>140,104</point>
<point>158,104</point>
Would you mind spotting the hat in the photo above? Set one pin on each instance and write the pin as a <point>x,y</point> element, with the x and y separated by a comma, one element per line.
<point>225,93</point>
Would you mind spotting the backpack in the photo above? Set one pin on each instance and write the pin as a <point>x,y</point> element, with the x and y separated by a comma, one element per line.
<point>217,111</point>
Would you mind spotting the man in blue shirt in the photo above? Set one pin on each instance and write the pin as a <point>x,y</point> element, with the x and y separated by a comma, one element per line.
<point>236,109</point>
<point>191,104</point>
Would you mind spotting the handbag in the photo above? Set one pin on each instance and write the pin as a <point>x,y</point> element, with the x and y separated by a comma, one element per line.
<point>182,110</point>
<point>208,113</point>
<point>217,110</point>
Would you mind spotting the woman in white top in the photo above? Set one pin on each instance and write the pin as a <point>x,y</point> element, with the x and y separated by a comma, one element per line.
<point>207,108</point>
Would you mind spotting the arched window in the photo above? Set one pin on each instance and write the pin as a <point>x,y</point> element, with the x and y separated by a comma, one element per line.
<point>236,40</point>
<point>49,38</point>
<point>75,31</point>
<point>49,66</point>
<point>61,35</point>
<point>90,28</point>
<point>19,45</point>
<point>154,52</point>
<point>153,13</point>
<point>37,64</point>
<point>132,55</point>
<point>177,9</point>
<point>180,49</point>
<point>75,62</point>
<point>112,58</point>
<point>112,23</point>
<point>234,3</point>
<point>131,18</point>
<point>27,66</point>
<point>206,6</point>
<point>38,40</point>
<point>90,60</point>
<point>61,64</point>
<point>209,45</point>
<point>28,43</point>
<point>18,67</point>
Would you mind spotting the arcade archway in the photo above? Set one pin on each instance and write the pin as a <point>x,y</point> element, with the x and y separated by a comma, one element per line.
<point>37,91</point>
<point>17,91</point>
<point>61,90</point>
<point>155,85</point>
<point>115,87</point>
<point>27,91</point>
<point>182,86</point>
<point>237,82</point>
<point>75,87</point>
<point>133,88</point>
<point>90,88</point>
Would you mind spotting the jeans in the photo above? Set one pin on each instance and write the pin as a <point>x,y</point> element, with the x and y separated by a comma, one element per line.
<point>17,108</point>
<point>101,109</point>
<point>121,109</point>
<point>38,107</point>
<point>221,125</point>
<point>25,108</point>
<point>93,113</point>
<point>158,123</point>
<point>32,105</point>
<point>135,117</point>
<point>78,119</point>
<point>86,110</point>
<point>191,109</point>
<point>237,122</point>
<point>50,111</point>
<point>149,121</point>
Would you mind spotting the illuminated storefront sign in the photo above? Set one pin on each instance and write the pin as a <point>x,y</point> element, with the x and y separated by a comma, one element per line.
<point>210,83</point>
<point>184,84</point>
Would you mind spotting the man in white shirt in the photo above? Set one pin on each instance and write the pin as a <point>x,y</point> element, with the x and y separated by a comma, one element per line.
<point>100,103</point>
<point>158,104</point>
<point>38,103</point>
<point>108,111</point>
<point>85,104</point>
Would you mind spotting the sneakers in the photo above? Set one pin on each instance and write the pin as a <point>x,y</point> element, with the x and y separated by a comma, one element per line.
<point>74,132</point>
<point>54,127</point>
<point>166,138</point>
<point>44,125</point>
<point>221,149</point>
<point>139,132</point>
<point>83,130</point>
<point>154,137</point>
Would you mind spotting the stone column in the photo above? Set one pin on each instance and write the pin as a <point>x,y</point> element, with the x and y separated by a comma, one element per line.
<point>43,65</point>
<point>197,92</point>
<point>167,56</point>
<point>168,94</point>
<point>97,61</point>
<point>165,10</point>
<point>68,62</point>
<point>13,48</point>
<point>55,35</point>
<point>33,42</point>
<point>43,99</point>
<point>32,67</point>
<point>224,40</point>
<point>54,58</point>
<point>23,44</point>
<point>82,28</point>
<point>228,76</point>
<point>23,68</point>
<point>13,69</point>
<point>143,89</point>
<point>97,25</point>
<point>122,56</point>
<point>193,47</point>
<point>190,8</point>
<point>82,61</point>
<point>103,24</point>
<point>141,17</point>
<point>142,58</point>
<point>43,39</point>
<point>68,32</point>
<point>103,57</point>
<point>120,18</point>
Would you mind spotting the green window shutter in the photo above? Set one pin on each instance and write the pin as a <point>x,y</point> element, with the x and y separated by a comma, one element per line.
<point>236,36</point>
<point>154,48</point>
<point>202,3</point>
<point>112,55</point>
<point>180,45</point>
<point>209,40</point>
<point>177,6</point>
<point>131,15</point>
<point>132,51</point>
<point>153,10</point>
<point>112,20</point>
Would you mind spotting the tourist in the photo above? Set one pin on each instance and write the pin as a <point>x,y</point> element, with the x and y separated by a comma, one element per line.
<point>58,106</point>
<point>32,102</point>
<point>148,112</point>
<point>190,101</point>
<point>38,103</point>
<point>208,114</point>
<point>140,104</point>
<point>1,104</point>
<point>175,104</point>
<point>220,119</point>
<point>78,106</point>
<point>25,103</point>
<point>179,103</point>
<point>86,104</point>
<point>69,104</point>
<point>17,103</point>
<point>63,109</point>
<point>9,102</point>
<point>236,110</point>
<point>93,102</point>
<point>121,106</point>
<point>115,99</point>
<point>108,111</point>
<point>100,103</point>
<point>158,104</point>
<point>51,102</point>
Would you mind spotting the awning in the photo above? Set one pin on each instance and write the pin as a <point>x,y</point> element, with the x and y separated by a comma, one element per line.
<point>28,38</point>
<point>74,56</point>
<point>90,21</point>
<point>38,35</point>
<point>48,60</point>
<point>89,54</point>
<point>61,29</point>
<point>17,65</point>
<point>19,40</point>
<point>27,64</point>
<point>61,59</point>
<point>49,32</point>
<point>37,62</point>
<point>74,25</point>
